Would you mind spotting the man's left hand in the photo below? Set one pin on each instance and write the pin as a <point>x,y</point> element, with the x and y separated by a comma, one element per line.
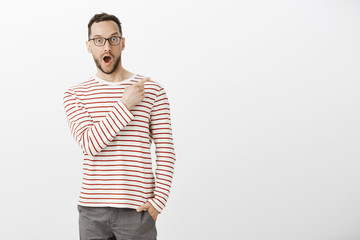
<point>148,207</point>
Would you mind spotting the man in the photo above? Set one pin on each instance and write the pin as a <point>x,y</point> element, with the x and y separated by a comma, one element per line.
<point>114,117</point>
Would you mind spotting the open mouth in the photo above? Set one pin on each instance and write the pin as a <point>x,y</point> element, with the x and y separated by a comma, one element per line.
<point>107,59</point>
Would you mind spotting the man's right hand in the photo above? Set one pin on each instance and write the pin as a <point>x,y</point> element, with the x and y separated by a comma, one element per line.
<point>134,94</point>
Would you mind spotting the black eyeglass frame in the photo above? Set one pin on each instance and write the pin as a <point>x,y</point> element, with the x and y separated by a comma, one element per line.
<point>106,39</point>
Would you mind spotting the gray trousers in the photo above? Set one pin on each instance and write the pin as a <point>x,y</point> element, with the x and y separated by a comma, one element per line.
<point>108,223</point>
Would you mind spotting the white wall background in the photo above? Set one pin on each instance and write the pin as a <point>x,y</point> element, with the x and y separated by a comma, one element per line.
<point>265,109</point>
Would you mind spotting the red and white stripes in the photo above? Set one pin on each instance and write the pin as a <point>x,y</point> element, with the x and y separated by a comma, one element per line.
<point>117,168</point>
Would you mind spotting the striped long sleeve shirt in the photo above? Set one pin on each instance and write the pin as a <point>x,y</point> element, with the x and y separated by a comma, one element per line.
<point>117,165</point>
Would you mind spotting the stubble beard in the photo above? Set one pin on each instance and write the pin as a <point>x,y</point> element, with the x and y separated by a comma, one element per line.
<point>117,61</point>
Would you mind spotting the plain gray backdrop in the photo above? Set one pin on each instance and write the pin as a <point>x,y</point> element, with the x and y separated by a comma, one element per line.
<point>264,99</point>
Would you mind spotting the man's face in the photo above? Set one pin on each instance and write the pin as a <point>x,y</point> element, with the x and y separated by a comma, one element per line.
<point>107,57</point>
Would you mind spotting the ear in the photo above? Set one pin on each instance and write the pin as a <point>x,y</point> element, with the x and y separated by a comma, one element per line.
<point>88,46</point>
<point>122,43</point>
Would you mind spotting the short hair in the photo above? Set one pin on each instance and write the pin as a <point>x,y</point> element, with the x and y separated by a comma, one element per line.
<point>103,17</point>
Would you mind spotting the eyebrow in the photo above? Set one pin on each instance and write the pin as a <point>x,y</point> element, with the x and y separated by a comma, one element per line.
<point>110,35</point>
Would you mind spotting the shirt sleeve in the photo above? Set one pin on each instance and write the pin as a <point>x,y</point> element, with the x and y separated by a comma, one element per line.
<point>161,133</point>
<point>93,137</point>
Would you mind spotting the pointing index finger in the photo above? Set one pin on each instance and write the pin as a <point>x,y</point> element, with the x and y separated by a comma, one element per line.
<point>146,79</point>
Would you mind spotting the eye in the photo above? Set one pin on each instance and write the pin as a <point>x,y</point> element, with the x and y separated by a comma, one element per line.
<point>99,40</point>
<point>114,40</point>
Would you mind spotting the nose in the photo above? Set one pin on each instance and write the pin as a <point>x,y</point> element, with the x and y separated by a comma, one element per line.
<point>107,45</point>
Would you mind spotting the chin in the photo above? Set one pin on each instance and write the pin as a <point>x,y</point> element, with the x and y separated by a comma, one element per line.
<point>108,71</point>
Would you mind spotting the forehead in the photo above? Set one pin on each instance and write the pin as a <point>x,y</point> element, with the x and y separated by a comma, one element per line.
<point>105,28</point>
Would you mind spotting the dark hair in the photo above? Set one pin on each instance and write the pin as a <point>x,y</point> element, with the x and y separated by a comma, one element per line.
<point>103,17</point>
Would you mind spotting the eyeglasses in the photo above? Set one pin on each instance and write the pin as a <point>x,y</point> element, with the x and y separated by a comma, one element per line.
<point>100,41</point>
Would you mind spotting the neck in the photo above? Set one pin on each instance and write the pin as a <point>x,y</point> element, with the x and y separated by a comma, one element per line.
<point>117,76</point>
